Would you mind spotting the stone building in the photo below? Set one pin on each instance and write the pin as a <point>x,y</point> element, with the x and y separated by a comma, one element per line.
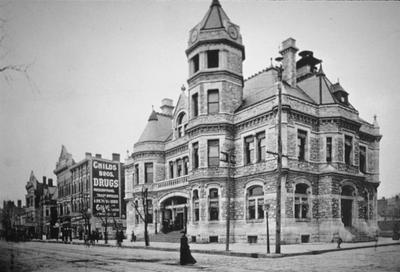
<point>331,155</point>
<point>90,194</point>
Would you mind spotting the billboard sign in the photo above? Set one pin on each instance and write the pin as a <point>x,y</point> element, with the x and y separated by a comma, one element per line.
<point>106,188</point>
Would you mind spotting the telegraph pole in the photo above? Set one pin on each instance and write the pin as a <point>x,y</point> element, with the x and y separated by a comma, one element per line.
<point>228,157</point>
<point>279,166</point>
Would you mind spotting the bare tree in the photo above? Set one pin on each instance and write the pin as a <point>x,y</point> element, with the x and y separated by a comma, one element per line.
<point>144,215</point>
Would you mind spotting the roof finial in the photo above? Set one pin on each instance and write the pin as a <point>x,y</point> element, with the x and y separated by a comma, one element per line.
<point>215,3</point>
<point>376,121</point>
<point>152,107</point>
<point>270,63</point>
<point>183,88</point>
<point>320,70</point>
<point>338,81</point>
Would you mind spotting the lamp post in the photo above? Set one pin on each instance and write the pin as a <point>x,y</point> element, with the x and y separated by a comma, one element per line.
<point>230,159</point>
<point>266,208</point>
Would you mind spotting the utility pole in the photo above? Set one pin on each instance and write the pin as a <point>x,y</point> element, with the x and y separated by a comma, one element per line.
<point>279,166</point>
<point>228,157</point>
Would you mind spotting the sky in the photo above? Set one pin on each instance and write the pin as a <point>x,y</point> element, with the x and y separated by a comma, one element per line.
<point>96,68</point>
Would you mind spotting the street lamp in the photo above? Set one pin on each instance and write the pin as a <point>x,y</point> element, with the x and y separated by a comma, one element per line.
<point>266,208</point>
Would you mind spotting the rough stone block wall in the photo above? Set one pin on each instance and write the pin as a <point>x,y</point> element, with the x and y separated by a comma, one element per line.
<point>338,146</point>
<point>314,149</point>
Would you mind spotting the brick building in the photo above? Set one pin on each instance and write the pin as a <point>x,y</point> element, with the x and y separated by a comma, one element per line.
<point>89,194</point>
<point>330,162</point>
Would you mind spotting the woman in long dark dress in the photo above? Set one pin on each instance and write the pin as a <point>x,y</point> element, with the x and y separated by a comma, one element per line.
<point>186,256</point>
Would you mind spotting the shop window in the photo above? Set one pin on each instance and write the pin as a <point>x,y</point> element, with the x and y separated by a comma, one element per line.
<point>362,160</point>
<point>252,239</point>
<point>213,239</point>
<point>213,153</point>
<point>195,149</point>
<point>212,58</point>
<point>213,204</point>
<point>249,149</point>
<point>213,101</point>
<point>196,206</point>
<point>301,205</point>
<point>148,172</point>
<point>301,144</point>
<point>348,148</point>
<point>255,202</point>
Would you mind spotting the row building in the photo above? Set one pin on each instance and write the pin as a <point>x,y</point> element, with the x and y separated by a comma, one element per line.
<point>330,154</point>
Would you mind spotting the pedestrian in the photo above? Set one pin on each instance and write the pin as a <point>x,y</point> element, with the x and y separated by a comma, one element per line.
<point>133,237</point>
<point>119,236</point>
<point>186,256</point>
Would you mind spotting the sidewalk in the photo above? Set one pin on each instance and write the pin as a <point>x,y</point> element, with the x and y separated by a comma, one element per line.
<point>246,250</point>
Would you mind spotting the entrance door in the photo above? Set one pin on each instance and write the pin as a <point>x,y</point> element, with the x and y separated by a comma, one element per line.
<point>347,206</point>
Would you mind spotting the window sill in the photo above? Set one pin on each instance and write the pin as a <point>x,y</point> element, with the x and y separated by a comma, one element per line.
<point>303,219</point>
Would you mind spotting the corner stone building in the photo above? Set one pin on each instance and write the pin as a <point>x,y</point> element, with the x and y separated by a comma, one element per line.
<point>330,163</point>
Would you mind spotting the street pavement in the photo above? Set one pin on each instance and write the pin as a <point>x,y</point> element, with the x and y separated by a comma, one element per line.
<point>34,256</point>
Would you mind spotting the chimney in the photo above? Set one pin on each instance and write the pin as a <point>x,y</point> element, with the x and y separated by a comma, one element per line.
<point>115,157</point>
<point>288,53</point>
<point>44,180</point>
<point>19,203</point>
<point>50,182</point>
<point>166,106</point>
<point>88,155</point>
<point>98,156</point>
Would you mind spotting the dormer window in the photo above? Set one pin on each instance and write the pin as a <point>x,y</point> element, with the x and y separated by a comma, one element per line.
<point>212,59</point>
<point>181,124</point>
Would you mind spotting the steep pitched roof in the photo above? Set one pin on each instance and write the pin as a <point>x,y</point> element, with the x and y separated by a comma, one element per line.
<point>158,128</point>
<point>215,17</point>
<point>263,85</point>
<point>312,85</point>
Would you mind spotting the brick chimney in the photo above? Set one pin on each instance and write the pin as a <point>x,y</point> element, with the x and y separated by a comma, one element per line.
<point>44,180</point>
<point>19,203</point>
<point>88,155</point>
<point>98,156</point>
<point>50,182</point>
<point>166,106</point>
<point>288,53</point>
<point>116,157</point>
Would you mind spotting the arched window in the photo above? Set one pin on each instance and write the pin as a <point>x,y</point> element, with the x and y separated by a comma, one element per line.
<point>181,124</point>
<point>196,206</point>
<point>255,202</point>
<point>301,201</point>
<point>213,205</point>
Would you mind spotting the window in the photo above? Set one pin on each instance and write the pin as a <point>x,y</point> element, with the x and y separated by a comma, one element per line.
<point>348,147</point>
<point>196,208</point>
<point>255,202</point>
<point>213,101</point>
<point>178,167</point>
<point>328,149</point>
<point>195,104</point>
<point>212,59</point>
<point>261,149</point>
<point>213,204</point>
<point>148,172</point>
<point>195,147</point>
<point>185,165</point>
<point>249,149</point>
<point>301,206</point>
<point>137,173</point>
<point>213,152</point>
<point>171,170</point>
<point>195,63</point>
<point>149,211</point>
<point>363,161</point>
<point>181,124</point>
<point>301,144</point>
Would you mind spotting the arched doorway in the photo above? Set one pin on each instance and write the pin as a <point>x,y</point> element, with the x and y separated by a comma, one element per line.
<point>347,200</point>
<point>173,213</point>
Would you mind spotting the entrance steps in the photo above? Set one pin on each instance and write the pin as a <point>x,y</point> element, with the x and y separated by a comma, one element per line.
<point>360,236</point>
<point>170,237</point>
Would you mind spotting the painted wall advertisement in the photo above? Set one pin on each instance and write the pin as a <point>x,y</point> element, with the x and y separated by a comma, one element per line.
<point>106,188</point>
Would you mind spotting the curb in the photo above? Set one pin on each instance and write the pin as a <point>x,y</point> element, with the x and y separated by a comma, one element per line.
<point>232,253</point>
